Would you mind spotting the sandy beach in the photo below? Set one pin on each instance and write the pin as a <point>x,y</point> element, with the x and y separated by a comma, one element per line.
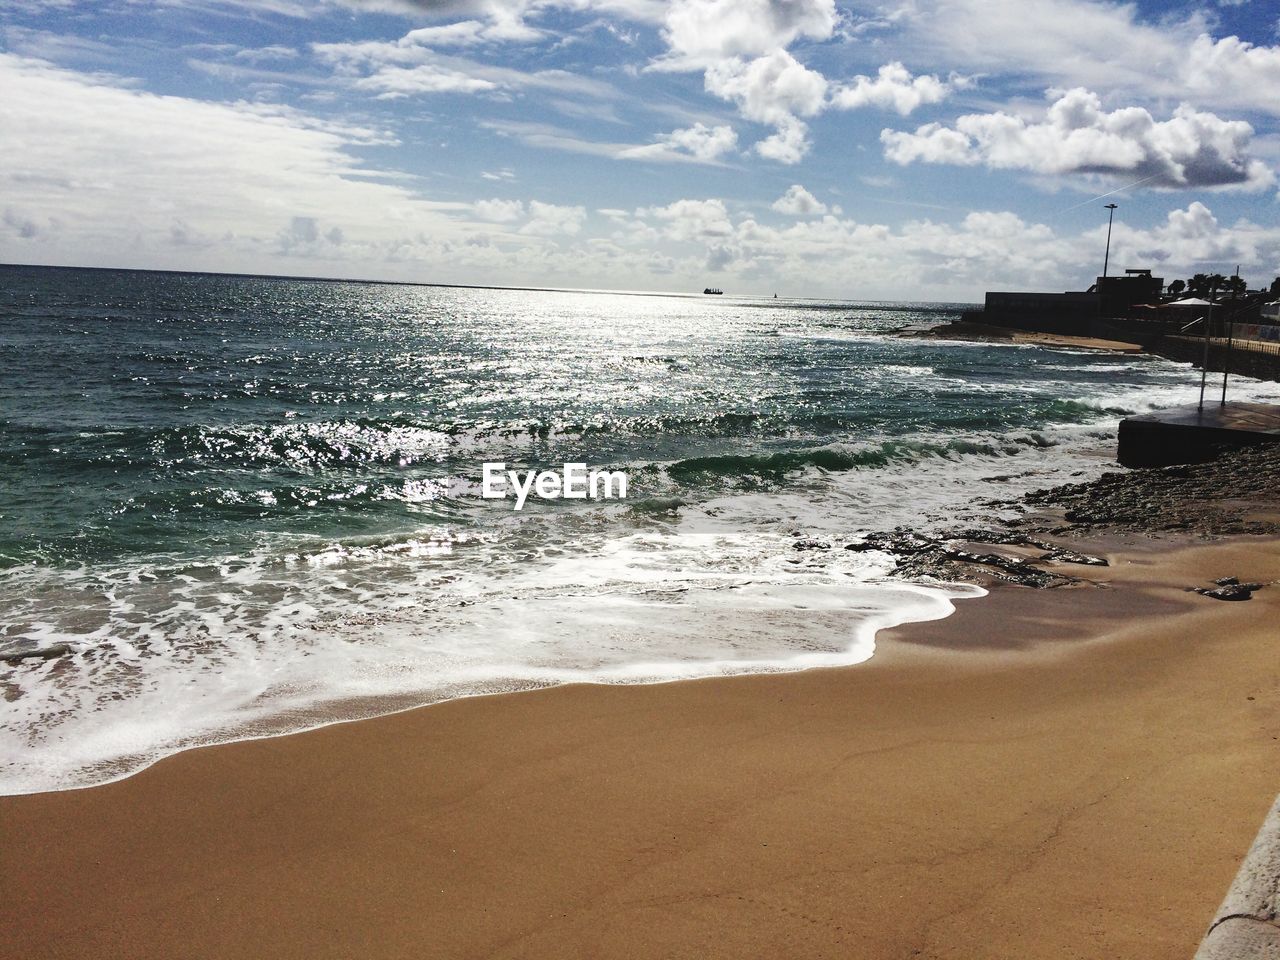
<point>1056,773</point>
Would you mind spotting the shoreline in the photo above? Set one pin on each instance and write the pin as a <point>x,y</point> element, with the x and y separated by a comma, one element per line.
<point>321,714</point>
<point>832,809</point>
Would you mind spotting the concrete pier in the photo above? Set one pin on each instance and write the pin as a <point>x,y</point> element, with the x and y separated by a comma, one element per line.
<point>1193,435</point>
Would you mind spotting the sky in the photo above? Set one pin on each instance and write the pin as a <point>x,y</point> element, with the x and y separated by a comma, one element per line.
<point>904,149</point>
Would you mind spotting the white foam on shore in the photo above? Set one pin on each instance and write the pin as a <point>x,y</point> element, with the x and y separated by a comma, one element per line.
<point>221,655</point>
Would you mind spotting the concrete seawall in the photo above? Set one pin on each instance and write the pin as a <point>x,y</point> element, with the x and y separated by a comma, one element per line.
<point>1154,339</point>
<point>1247,925</point>
<point>1262,366</point>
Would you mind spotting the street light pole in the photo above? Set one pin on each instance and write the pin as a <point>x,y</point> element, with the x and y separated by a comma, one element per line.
<point>1106,261</point>
<point>1226,359</point>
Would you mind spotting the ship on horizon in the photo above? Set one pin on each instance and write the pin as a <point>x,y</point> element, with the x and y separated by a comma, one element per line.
<point>714,291</point>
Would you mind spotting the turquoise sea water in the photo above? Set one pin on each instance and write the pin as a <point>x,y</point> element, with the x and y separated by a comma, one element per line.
<point>245,501</point>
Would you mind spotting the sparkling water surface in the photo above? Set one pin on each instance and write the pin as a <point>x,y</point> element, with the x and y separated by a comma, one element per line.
<point>253,505</point>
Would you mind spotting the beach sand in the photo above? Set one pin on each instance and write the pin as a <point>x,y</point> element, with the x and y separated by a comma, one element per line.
<point>1059,773</point>
<point>970,330</point>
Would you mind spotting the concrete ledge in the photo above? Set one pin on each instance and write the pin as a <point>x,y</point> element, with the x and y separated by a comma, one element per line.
<point>1241,938</point>
<point>1247,925</point>
<point>1192,434</point>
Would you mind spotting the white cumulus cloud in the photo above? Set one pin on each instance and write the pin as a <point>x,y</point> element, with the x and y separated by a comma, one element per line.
<point>775,89</point>
<point>692,219</point>
<point>1077,136</point>
<point>1093,43</point>
<point>893,88</point>
<point>799,202</point>
<point>703,32</point>
<point>1233,72</point>
<point>788,145</point>
<point>699,142</point>
<point>551,220</point>
<point>499,211</point>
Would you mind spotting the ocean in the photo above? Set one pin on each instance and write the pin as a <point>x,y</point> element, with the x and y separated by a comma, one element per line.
<point>254,505</point>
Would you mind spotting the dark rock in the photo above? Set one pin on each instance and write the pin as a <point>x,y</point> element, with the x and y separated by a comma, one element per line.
<point>945,559</point>
<point>1227,581</point>
<point>810,544</point>
<point>1062,555</point>
<point>1232,591</point>
<point>43,653</point>
<point>900,541</point>
<point>1210,498</point>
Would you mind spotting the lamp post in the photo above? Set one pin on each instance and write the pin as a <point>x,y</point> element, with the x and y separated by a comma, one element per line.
<point>1106,260</point>
<point>1226,360</point>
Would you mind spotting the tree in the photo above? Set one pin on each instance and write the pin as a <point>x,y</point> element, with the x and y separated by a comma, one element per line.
<point>1177,286</point>
<point>1275,287</point>
<point>1236,286</point>
<point>1198,285</point>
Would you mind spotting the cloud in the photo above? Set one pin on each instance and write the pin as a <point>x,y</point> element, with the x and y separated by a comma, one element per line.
<point>692,220</point>
<point>984,249</point>
<point>31,6</point>
<point>699,142</point>
<point>769,89</point>
<point>511,13</point>
<point>696,144</point>
<point>741,47</point>
<point>274,52</point>
<point>702,33</point>
<point>24,227</point>
<point>111,175</point>
<point>1232,72</point>
<point>549,220</point>
<point>468,33</point>
<point>390,82</point>
<point>1192,237</point>
<point>407,67</point>
<point>775,89</point>
<point>481,20</point>
<point>499,211</point>
<point>550,137</point>
<point>878,182</point>
<point>296,9</point>
<point>799,202</point>
<point>893,88</point>
<point>1077,136</point>
<point>1100,45</point>
<point>303,237</point>
<point>44,45</point>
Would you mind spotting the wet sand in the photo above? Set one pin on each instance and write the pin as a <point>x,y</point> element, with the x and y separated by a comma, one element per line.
<point>1046,774</point>
<point>970,330</point>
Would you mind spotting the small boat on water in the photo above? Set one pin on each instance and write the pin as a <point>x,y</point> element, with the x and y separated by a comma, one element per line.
<point>714,291</point>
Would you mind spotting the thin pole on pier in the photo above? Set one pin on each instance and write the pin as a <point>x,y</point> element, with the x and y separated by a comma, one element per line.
<point>1226,361</point>
<point>1106,260</point>
<point>1204,361</point>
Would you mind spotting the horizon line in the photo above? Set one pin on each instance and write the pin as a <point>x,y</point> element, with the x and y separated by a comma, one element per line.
<point>458,286</point>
